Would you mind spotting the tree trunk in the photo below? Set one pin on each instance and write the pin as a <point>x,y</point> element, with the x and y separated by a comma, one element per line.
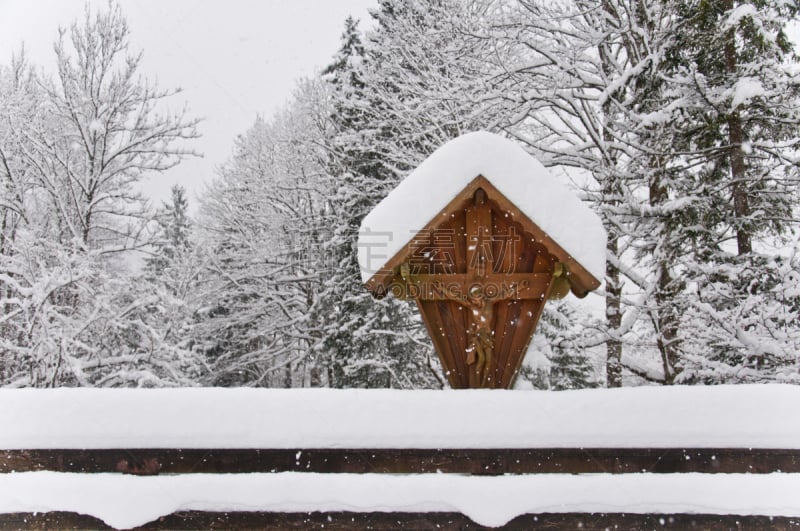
<point>315,376</point>
<point>287,376</point>
<point>611,198</point>
<point>613,318</point>
<point>741,205</point>
<point>665,317</point>
<point>666,321</point>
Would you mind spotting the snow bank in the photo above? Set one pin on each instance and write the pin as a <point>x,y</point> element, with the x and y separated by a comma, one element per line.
<point>128,501</point>
<point>422,195</point>
<point>746,416</point>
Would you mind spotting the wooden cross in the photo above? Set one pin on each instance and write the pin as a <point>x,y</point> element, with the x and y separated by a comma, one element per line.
<point>481,287</point>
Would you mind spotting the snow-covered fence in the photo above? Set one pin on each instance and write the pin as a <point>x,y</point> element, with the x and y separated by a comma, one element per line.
<point>207,458</point>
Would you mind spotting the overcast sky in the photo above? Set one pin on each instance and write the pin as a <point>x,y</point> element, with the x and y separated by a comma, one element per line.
<point>233,58</point>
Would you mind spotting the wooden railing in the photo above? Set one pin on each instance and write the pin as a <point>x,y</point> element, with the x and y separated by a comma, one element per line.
<point>407,461</point>
<point>345,521</point>
<point>282,442</point>
<point>151,462</point>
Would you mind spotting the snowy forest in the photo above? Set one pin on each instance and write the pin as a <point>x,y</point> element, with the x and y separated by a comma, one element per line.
<point>677,121</point>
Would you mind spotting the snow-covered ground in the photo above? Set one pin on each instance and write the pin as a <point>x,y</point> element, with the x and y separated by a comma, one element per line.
<point>764,416</point>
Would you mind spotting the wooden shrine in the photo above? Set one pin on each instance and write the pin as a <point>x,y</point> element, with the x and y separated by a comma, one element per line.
<point>480,272</point>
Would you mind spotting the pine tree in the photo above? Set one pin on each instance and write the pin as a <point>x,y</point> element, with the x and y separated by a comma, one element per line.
<point>264,223</point>
<point>174,230</point>
<point>736,97</point>
<point>723,132</point>
<point>557,359</point>
<point>363,343</point>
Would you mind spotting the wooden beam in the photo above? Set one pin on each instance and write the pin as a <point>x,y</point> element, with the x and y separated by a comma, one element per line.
<point>480,261</point>
<point>390,521</point>
<point>494,286</point>
<point>407,461</point>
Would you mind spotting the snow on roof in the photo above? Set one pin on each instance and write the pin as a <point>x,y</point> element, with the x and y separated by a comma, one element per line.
<point>421,196</point>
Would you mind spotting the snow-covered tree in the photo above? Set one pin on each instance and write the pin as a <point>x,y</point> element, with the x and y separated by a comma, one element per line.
<point>557,358</point>
<point>173,239</point>
<point>750,309</point>
<point>350,350</point>
<point>733,63</point>
<point>109,131</point>
<point>568,71</point>
<point>21,103</point>
<point>263,224</point>
<point>427,74</point>
<point>72,152</point>
<point>718,117</point>
<point>683,115</point>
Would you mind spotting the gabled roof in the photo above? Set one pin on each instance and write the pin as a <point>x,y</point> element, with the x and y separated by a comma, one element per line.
<point>424,194</point>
